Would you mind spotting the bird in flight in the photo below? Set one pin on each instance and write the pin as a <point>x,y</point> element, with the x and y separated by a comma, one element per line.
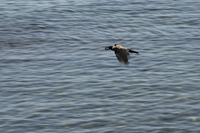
<point>121,52</point>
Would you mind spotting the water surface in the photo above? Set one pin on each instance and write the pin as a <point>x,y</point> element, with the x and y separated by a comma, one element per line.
<point>57,77</point>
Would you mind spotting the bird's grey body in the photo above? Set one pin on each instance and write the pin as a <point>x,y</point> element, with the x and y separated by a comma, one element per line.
<point>122,53</point>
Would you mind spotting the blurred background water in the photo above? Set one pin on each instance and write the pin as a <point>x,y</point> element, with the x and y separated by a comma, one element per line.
<point>57,77</point>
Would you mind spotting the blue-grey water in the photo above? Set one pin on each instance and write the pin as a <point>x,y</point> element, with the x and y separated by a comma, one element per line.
<point>56,77</point>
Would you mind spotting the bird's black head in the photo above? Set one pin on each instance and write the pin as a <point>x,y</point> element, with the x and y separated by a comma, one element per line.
<point>107,48</point>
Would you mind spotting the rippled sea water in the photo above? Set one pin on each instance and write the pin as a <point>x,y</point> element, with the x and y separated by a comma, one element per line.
<point>57,77</point>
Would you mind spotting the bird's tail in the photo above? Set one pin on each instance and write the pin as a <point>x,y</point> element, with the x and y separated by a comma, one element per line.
<point>131,51</point>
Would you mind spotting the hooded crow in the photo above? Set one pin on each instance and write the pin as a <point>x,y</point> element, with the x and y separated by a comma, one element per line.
<point>121,52</point>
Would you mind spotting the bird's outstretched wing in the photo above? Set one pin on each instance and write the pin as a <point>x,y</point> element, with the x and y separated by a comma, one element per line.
<point>122,55</point>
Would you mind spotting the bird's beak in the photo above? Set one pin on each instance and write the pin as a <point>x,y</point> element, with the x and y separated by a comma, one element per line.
<point>106,48</point>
